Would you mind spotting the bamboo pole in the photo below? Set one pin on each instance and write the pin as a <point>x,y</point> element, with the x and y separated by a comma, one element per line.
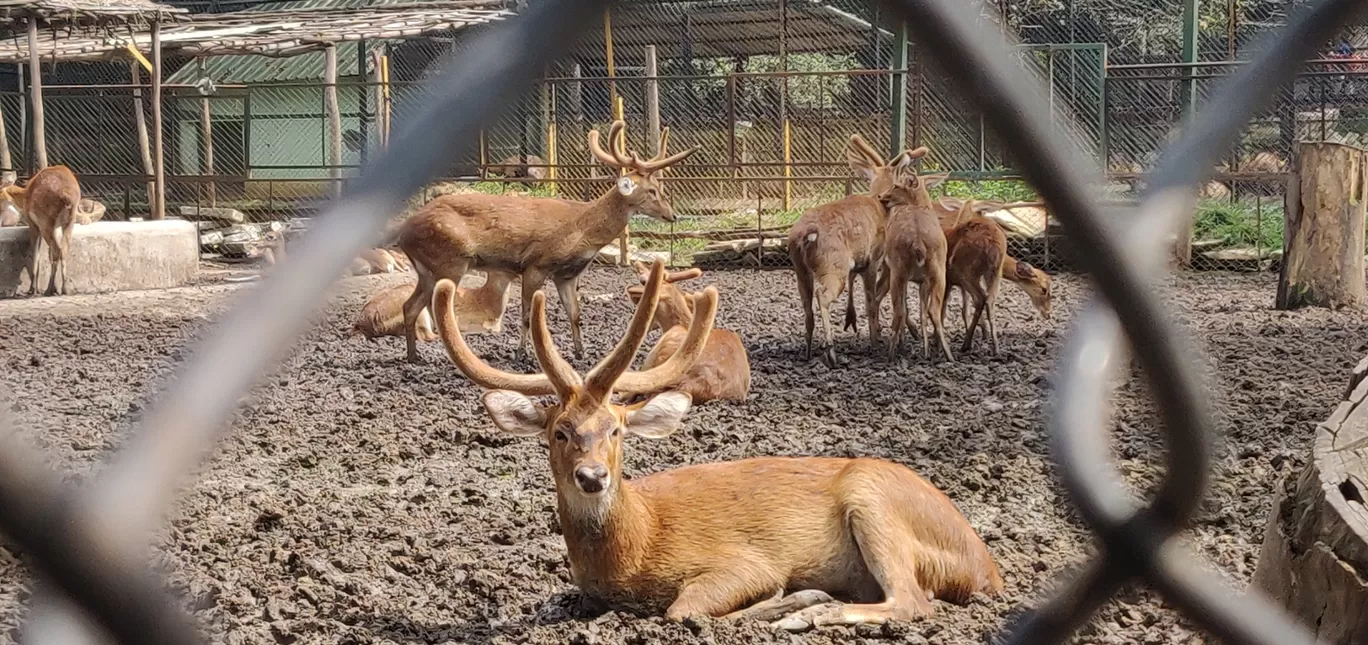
<point>788,165</point>
<point>7,173</point>
<point>551,170</point>
<point>207,141</point>
<point>334,118</point>
<point>158,145</point>
<point>385,90</point>
<point>652,96</point>
<point>140,124</point>
<point>36,96</point>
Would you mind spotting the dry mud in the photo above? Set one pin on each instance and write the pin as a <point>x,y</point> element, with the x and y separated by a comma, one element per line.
<point>361,499</point>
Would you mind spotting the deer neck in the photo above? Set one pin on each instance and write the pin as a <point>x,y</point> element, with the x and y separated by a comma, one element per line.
<point>921,198</point>
<point>673,311</point>
<point>607,538</point>
<point>19,196</point>
<point>606,217</point>
<point>1009,270</point>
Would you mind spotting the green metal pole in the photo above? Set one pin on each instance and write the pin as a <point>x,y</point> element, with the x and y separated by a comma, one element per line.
<point>1188,95</point>
<point>898,61</point>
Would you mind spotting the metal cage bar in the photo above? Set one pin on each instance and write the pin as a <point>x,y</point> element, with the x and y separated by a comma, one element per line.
<point>88,545</point>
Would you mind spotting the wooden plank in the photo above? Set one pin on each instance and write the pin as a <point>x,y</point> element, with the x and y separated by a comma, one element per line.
<point>140,124</point>
<point>334,119</point>
<point>652,97</point>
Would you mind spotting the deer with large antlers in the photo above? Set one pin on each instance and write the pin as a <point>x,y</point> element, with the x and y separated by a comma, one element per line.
<point>832,243</point>
<point>535,237</point>
<point>724,539</point>
<point>722,371</point>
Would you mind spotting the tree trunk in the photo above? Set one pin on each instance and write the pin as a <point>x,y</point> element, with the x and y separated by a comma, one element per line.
<point>1314,560</point>
<point>1323,229</point>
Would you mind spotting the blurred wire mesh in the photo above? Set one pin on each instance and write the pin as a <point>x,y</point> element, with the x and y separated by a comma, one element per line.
<point>772,137</point>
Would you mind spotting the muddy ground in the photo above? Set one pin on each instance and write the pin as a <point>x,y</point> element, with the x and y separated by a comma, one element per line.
<point>361,499</point>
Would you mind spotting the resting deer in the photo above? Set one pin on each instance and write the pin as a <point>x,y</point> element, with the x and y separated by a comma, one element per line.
<point>915,248</point>
<point>480,310</point>
<point>722,371</point>
<point>832,243</point>
<point>48,202</point>
<point>535,237</point>
<point>723,539</point>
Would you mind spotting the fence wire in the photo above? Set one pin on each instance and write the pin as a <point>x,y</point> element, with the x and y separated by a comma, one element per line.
<point>88,545</point>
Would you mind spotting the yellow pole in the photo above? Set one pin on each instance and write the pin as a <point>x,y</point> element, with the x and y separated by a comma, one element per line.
<point>385,90</point>
<point>551,173</point>
<point>788,165</point>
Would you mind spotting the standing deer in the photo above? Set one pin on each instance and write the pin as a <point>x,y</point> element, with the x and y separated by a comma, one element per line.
<point>48,202</point>
<point>915,248</point>
<point>831,244</point>
<point>723,539</point>
<point>722,371</point>
<point>535,237</point>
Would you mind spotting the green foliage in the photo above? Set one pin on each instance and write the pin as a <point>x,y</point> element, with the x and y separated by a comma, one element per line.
<point>1239,224</point>
<point>511,188</point>
<point>1002,190</point>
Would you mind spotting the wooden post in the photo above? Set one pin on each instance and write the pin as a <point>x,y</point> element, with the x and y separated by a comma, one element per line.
<point>207,141</point>
<point>7,171</point>
<point>334,118</point>
<point>652,96</point>
<point>36,96</point>
<point>1316,539</point>
<point>158,144</point>
<point>140,124</point>
<point>1323,228</point>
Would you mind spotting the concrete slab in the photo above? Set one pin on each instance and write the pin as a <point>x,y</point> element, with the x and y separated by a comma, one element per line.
<point>108,256</point>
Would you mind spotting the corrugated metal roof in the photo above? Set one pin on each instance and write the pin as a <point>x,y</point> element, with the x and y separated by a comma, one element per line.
<point>270,69</point>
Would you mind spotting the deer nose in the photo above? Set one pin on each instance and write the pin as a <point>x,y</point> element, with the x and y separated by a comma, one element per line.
<point>591,479</point>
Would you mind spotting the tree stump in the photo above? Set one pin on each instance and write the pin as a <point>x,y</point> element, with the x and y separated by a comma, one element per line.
<point>1323,228</point>
<point>1314,560</point>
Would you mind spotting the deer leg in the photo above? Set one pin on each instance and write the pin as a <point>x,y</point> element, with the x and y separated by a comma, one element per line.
<point>54,260</point>
<point>993,285</point>
<point>895,334</point>
<point>719,593</point>
<point>826,295</point>
<point>935,301</point>
<point>66,246</point>
<point>531,282</point>
<point>805,294</point>
<point>850,306</point>
<point>925,329</point>
<point>569,295</point>
<point>781,605</point>
<point>35,241</point>
<point>870,280</point>
<point>420,299</point>
<point>973,292</point>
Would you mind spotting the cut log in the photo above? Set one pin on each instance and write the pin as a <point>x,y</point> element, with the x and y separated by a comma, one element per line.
<point>1324,229</point>
<point>1314,559</point>
<point>198,214</point>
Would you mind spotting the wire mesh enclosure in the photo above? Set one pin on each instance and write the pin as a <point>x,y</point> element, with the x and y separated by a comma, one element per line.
<point>88,544</point>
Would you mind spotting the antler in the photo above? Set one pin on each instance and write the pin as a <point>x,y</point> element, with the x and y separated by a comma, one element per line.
<point>660,160</point>
<point>599,384</point>
<point>644,273</point>
<point>471,365</point>
<point>654,379</point>
<point>561,374</point>
<point>615,159</point>
<point>860,147</point>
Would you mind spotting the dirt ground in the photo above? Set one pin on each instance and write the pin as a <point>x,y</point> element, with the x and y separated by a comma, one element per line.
<point>361,499</point>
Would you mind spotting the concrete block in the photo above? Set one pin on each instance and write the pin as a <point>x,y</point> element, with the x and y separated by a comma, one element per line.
<point>108,256</point>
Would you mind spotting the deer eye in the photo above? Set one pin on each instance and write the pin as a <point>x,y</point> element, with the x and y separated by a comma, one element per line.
<point>562,436</point>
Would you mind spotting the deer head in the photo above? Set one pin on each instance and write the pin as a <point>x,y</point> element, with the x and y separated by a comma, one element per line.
<point>640,185</point>
<point>1035,282</point>
<point>583,427</point>
<point>882,175</point>
<point>676,307</point>
<point>911,190</point>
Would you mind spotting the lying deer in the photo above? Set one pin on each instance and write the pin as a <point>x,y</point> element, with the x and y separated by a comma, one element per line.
<point>48,202</point>
<point>915,248</point>
<point>723,539</point>
<point>535,237</point>
<point>722,371</point>
<point>831,244</point>
<point>479,309</point>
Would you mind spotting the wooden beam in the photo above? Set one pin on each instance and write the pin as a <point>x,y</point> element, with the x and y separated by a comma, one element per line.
<point>36,96</point>
<point>652,96</point>
<point>7,172</point>
<point>140,123</point>
<point>207,142</point>
<point>158,145</point>
<point>334,118</point>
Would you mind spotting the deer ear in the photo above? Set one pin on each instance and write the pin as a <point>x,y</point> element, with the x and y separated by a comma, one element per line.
<point>635,293</point>
<point>514,413</point>
<point>660,416</point>
<point>931,181</point>
<point>859,163</point>
<point>1025,270</point>
<point>626,186</point>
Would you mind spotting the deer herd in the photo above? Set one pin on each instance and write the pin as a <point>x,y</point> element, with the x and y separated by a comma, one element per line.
<point>873,541</point>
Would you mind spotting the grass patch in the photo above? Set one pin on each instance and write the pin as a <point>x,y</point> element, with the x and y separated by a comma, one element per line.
<point>1239,224</point>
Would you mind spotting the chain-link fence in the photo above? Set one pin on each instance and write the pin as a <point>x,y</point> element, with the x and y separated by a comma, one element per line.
<point>770,90</point>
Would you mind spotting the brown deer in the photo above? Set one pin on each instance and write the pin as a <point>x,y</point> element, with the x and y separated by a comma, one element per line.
<point>722,371</point>
<point>978,262</point>
<point>48,202</point>
<point>535,237</point>
<point>722,539</point>
<point>480,310</point>
<point>832,243</point>
<point>1033,281</point>
<point>915,248</point>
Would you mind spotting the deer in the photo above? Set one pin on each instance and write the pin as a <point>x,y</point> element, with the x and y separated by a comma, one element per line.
<point>534,237</point>
<point>722,371</point>
<point>479,309</point>
<point>915,248</point>
<point>830,244</point>
<point>724,539</point>
<point>48,202</point>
